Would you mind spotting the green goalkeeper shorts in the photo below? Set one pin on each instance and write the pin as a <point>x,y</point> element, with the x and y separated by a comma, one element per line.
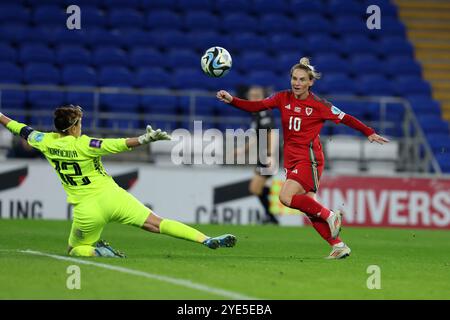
<point>111,205</point>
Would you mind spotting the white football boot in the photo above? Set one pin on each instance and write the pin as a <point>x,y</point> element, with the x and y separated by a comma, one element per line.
<point>335,223</point>
<point>339,251</point>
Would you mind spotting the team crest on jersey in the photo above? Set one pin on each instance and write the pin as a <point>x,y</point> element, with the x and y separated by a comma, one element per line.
<point>288,106</point>
<point>95,143</point>
<point>308,111</point>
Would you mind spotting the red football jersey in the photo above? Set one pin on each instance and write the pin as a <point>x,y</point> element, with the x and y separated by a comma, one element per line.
<point>302,121</point>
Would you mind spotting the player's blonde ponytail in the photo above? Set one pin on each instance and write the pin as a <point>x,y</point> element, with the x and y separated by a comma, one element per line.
<point>304,64</point>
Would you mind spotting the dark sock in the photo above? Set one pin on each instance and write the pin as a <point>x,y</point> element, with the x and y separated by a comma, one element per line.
<point>264,199</point>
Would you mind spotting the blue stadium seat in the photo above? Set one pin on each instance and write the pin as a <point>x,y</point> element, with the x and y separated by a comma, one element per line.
<point>308,7</point>
<point>109,55</point>
<point>181,58</point>
<point>45,99</point>
<point>204,106</point>
<point>247,41</point>
<point>72,54</point>
<point>276,23</point>
<point>92,16</point>
<point>189,78</point>
<point>207,39</point>
<point>408,85</point>
<point>65,36</point>
<point>356,109</point>
<point>11,73</point>
<point>444,161</point>
<point>113,76</point>
<point>286,60</point>
<point>254,60</point>
<point>346,7</point>
<point>41,73</point>
<point>200,21</point>
<point>125,17</point>
<point>425,106</point>
<point>286,42</point>
<point>80,75</point>
<point>229,6</point>
<point>366,63</point>
<point>83,99</point>
<point>80,3</point>
<point>395,46</point>
<point>13,99</point>
<point>337,83</point>
<point>312,23</point>
<point>15,33</point>
<point>163,19</point>
<point>164,39</point>
<point>119,102</point>
<point>261,77</point>
<point>239,22</point>
<point>358,44</point>
<point>320,43</point>
<point>99,36</point>
<point>433,124</point>
<point>404,65</point>
<point>269,6</point>
<point>151,5</point>
<point>36,53</point>
<point>146,57</point>
<point>7,52</point>
<point>331,63</point>
<point>187,5</point>
<point>50,15</point>
<point>164,104</point>
<point>122,3</point>
<point>374,85</point>
<point>13,13</point>
<point>387,8</point>
<point>155,77</point>
<point>345,25</point>
<point>439,143</point>
<point>40,35</point>
<point>390,26</point>
<point>137,37</point>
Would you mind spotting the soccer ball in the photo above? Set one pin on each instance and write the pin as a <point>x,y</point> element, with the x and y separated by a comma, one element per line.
<point>216,62</point>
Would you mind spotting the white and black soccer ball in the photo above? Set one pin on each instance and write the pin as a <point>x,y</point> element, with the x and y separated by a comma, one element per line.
<point>216,62</point>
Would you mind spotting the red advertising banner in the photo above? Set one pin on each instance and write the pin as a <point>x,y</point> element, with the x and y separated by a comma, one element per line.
<point>387,202</point>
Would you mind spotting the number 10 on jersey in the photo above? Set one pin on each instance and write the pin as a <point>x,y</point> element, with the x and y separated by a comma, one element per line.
<point>295,123</point>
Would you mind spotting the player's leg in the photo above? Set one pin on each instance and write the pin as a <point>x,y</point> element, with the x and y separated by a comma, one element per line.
<point>299,181</point>
<point>258,188</point>
<point>87,226</point>
<point>131,211</point>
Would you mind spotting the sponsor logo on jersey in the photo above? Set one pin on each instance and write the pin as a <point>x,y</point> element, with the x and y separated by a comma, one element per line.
<point>95,143</point>
<point>288,107</point>
<point>308,111</point>
<point>335,110</point>
<point>297,109</point>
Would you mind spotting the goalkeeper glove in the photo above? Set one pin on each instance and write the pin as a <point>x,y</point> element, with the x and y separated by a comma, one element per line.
<point>153,135</point>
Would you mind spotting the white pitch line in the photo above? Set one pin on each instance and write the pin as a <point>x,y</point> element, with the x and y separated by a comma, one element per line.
<point>179,282</point>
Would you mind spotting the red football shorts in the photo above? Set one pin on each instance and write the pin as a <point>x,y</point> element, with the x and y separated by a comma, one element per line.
<point>308,175</point>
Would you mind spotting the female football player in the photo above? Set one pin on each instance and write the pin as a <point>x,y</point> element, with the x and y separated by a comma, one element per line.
<point>97,199</point>
<point>303,114</point>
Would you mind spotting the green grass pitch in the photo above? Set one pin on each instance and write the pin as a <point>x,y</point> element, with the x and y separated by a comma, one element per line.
<point>268,262</point>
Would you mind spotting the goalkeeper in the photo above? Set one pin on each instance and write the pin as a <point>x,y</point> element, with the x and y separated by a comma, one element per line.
<point>96,198</point>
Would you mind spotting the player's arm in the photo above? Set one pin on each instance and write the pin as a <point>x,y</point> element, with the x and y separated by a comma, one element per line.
<point>370,133</point>
<point>15,127</point>
<point>246,105</point>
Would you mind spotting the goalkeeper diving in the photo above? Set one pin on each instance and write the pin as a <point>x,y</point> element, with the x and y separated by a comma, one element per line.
<point>96,198</point>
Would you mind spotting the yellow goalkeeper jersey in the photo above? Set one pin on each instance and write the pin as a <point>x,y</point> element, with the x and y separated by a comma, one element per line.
<point>77,161</point>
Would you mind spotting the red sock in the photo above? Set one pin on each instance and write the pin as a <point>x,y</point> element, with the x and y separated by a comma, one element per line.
<point>324,230</point>
<point>309,206</point>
